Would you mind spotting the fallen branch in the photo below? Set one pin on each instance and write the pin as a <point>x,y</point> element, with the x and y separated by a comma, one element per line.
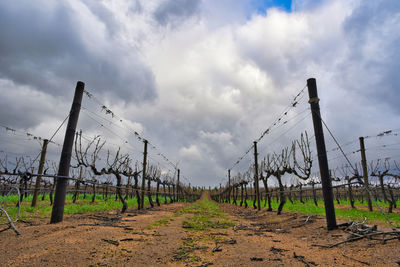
<point>206,264</point>
<point>278,250</point>
<point>106,225</point>
<point>9,221</point>
<point>113,242</point>
<point>200,248</point>
<point>218,234</point>
<point>363,262</point>
<point>306,221</point>
<point>359,237</point>
<point>231,242</point>
<point>303,260</point>
<point>12,226</point>
<point>217,249</point>
<point>132,239</point>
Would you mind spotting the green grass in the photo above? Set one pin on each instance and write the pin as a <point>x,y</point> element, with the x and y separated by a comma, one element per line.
<point>346,213</point>
<point>162,222</point>
<point>198,219</point>
<point>205,215</point>
<point>43,208</point>
<point>359,203</point>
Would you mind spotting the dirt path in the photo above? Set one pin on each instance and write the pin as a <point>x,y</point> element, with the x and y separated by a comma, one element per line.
<point>163,237</point>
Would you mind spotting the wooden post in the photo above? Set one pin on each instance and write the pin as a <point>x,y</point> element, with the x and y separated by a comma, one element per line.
<point>178,185</point>
<point>322,158</point>
<point>144,173</point>
<point>40,171</point>
<point>65,159</point>
<point>257,189</point>
<point>365,172</point>
<point>229,186</point>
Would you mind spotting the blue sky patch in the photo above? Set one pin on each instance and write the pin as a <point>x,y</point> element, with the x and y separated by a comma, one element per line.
<point>262,5</point>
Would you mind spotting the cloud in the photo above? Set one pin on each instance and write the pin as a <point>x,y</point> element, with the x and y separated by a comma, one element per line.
<point>23,107</point>
<point>220,138</point>
<point>190,153</point>
<point>259,66</point>
<point>48,45</point>
<point>372,35</point>
<point>175,11</point>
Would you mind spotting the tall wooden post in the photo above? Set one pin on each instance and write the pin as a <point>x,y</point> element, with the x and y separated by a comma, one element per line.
<point>229,186</point>
<point>144,173</point>
<point>257,189</point>
<point>222,196</point>
<point>322,158</point>
<point>365,172</point>
<point>40,171</point>
<point>178,185</point>
<point>65,159</point>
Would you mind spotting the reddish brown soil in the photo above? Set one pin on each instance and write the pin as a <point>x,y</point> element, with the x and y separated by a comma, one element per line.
<point>156,238</point>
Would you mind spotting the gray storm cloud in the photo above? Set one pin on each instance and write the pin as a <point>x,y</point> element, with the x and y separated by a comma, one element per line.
<point>48,44</point>
<point>372,32</point>
<point>174,11</point>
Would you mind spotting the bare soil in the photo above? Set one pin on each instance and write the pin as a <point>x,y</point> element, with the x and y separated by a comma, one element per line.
<point>156,237</point>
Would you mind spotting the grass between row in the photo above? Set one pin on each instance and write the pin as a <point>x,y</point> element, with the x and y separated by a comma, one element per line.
<point>342,211</point>
<point>197,220</point>
<point>205,215</point>
<point>82,205</point>
<point>201,215</point>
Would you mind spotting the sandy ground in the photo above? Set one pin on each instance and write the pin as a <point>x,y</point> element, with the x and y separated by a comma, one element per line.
<point>156,237</point>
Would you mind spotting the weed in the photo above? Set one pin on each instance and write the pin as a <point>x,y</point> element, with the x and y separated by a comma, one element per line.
<point>205,215</point>
<point>162,222</point>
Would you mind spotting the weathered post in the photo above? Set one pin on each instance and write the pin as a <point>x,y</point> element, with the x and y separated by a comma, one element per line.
<point>178,185</point>
<point>229,186</point>
<point>322,158</point>
<point>257,189</point>
<point>40,171</point>
<point>365,172</point>
<point>65,159</point>
<point>144,173</point>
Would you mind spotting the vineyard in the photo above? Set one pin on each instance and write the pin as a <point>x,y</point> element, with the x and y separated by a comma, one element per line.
<point>315,201</point>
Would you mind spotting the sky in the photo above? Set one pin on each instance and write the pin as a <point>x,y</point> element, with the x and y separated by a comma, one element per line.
<point>200,79</point>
